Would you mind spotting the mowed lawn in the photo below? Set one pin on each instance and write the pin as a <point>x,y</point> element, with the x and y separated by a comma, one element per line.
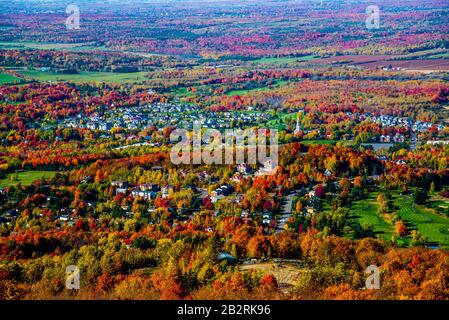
<point>365,212</point>
<point>281,60</point>
<point>27,178</point>
<point>313,142</point>
<point>7,79</point>
<point>242,92</point>
<point>433,226</point>
<point>85,76</point>
<point>282,119</point>
<point>51,46</point>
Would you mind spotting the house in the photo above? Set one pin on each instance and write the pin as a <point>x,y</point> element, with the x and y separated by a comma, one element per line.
<point>215,198</point>
<point>227,189</point>
<point>244,168</point>
<point>119,184</point>
<point>87,179</point>
<point>64,218</point>
<point>221,192</point>
<point>120,190</point>
<point>237,178</point>
<point>216,192</point>
<point>167,190</point>
<point>401,162</point>
<point>105,126</point>
<point>13,213</point>
<point>399,138</point>
<point>144,194</point>
<point>266,221</point>
<point>385,138</point>
<point>224,190</point>
<point>436,142</point>
<point>149,187</point>
<point>310,211</point>
<point>268,168</point>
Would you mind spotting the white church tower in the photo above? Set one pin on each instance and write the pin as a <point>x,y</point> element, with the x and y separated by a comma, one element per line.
<point>298,127</point>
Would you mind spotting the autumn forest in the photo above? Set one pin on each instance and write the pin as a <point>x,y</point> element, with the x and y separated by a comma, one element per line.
<point>92,92</point>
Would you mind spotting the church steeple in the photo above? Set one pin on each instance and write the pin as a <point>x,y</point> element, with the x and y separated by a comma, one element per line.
<point>298,127</point>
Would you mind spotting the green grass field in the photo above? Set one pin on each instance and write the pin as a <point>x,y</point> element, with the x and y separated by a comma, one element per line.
<point>85,76</point>
<point>433,226</point>
<point>8,79</point>
<point>429,224</point>
<point>280,123</point>
<point>365,212</point>
<point>27,178</point>
<point>50,46</point>
<point>439,56</point>
<point>278,84</point>
<point>182,91</point>
<point>440,204</point>
<point>313,142</point>
<point>282,60</point>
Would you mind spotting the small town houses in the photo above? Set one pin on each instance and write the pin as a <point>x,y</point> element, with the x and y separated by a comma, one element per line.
<point>397,138</point>
<point>221,192</point>
<point>161,115</point>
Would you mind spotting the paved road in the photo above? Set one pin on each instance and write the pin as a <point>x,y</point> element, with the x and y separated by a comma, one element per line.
<point>414,141</point>
<point>287,207</point>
